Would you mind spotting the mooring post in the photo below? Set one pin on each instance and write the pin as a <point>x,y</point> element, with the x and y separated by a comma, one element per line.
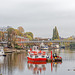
<point>51,56</point>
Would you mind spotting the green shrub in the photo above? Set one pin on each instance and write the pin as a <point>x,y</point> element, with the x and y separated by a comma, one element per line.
<point>18,47</point>
<point>72,45</point>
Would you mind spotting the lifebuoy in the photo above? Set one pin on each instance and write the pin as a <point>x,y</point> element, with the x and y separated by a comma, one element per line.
<point>43,53</point>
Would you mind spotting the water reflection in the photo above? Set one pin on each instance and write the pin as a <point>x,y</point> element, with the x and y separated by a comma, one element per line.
<point>11,62</point>
<point>1,60</point>
<point>36,67</point>
<point>17,64</point>
<point>54,65</point>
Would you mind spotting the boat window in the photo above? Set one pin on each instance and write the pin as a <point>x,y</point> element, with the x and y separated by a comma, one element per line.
<point>35,65</point>
<point>37,47</point>
<point>36,56</point>
<point>30,55</point>
<point>34,48</point>
<point>43,56</point>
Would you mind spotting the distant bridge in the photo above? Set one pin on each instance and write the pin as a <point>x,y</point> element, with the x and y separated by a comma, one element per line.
<point>53,41</point>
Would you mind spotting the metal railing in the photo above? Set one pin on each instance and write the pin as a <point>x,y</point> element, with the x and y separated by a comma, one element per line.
<point>53,41</point>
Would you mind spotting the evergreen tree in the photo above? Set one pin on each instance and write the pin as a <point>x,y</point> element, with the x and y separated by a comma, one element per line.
<point>55,33</point>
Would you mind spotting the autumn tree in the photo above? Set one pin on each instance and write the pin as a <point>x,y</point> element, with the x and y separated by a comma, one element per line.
<point>68,43</point>
<point>11,37</point>
<point>17,32</point>
<point>29,35</point>
<point>1,36</point>
<point>21,29</point>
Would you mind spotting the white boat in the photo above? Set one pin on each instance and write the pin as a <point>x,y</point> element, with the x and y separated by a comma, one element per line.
<point>43,47</point>
<point>55,46</point>
<point>1,51</point>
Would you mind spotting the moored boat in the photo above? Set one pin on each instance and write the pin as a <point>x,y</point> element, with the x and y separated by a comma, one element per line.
<point>55,46</point>
<point>43,46</point>
<point>1,51</point>
<point>54,58</point>
<point>36,55</point>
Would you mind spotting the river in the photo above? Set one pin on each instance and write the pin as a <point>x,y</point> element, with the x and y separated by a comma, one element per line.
<point>17,64</point>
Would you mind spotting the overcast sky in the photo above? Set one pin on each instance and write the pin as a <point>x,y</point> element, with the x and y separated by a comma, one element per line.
<point>39,16</point>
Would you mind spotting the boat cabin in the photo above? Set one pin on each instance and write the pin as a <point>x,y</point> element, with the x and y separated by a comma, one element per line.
<point>35,48</point>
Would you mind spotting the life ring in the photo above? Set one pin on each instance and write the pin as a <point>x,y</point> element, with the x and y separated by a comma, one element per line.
<point>43,53</point>
<point>35,53</point>
<point>29,52</point>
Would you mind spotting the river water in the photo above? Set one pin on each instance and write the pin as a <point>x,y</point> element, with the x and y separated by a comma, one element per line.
<point>17,64</point>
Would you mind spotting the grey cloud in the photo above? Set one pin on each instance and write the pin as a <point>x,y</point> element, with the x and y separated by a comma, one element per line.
<point>39,16</point>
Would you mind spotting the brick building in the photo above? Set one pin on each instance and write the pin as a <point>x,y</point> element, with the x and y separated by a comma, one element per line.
<point>21,39</point>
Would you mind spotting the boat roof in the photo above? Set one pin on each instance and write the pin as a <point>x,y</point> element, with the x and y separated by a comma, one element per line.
<point>35,48</point>
<point>42,44</point>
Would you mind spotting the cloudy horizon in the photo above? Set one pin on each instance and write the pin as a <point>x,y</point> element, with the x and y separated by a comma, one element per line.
<point>40,16</point>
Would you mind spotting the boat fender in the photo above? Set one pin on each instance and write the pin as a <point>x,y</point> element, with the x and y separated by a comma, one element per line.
<point>30,49</point>
<point>55,57</point>
<point>60,57</point>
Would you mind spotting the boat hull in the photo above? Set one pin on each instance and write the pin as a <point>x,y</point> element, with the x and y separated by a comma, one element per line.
<point>35,62</point>
<point>37,59</point>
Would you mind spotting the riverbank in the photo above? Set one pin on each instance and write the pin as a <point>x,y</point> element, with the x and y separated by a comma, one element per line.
<point>10,50</point>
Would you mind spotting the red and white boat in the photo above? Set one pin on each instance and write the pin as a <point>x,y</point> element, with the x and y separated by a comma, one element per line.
<point>36,55</point>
